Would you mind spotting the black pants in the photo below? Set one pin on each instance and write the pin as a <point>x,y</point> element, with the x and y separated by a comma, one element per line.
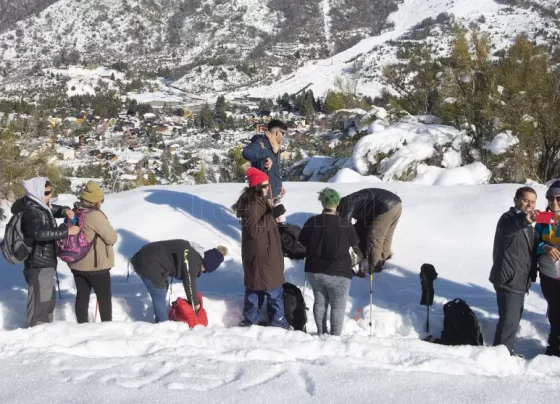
<point>510,308</point>
<point>100,281</point>
<point>551,291</point>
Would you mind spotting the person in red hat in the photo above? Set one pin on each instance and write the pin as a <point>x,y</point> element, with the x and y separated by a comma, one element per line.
<point>261,249</point>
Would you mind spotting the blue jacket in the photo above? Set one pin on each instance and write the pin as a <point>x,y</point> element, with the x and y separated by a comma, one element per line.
<point>256,153</point>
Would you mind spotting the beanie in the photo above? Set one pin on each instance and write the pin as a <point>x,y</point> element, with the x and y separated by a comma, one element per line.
<point>255,176</point>
<point>92,193</point>
<point>554,190</point>
<point>213,258</point>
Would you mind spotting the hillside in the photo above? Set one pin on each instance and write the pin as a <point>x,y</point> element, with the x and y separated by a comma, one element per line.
<point>130,359</point>
<point>249,46</point>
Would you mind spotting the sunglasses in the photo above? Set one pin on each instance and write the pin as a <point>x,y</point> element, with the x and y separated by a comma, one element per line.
<point>554,198</point>
<point>265,185</point>
<point>47,193</point>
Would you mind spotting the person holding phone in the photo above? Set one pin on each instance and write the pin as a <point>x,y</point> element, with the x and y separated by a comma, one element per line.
<point>549,267</point>
<point>515,264</point>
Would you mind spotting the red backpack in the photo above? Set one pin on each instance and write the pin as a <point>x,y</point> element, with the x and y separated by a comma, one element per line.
<point>181,310</point>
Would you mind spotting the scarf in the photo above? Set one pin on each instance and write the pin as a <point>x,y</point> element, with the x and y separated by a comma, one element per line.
<point>273,143</point>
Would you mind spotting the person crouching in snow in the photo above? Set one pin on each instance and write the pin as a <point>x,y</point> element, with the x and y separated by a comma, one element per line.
<point>179,259</point>
<point>327,239</point>
<point>261,249</point>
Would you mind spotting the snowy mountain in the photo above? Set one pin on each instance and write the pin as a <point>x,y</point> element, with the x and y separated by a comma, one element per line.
<point>250,46</point>
<point>131,360</point>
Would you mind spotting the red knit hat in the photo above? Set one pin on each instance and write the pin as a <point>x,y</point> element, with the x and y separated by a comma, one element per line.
<point>255,176</point>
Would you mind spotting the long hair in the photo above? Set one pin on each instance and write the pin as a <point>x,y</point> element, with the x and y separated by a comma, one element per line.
<point>247,197</point>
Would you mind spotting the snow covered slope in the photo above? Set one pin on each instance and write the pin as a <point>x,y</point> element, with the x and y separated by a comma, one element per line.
<point>131,360</point>
<point>258,48</point>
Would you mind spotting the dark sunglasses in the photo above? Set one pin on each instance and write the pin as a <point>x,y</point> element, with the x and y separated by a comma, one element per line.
<point>47,193</point>
<point>265,185</point>
<point>554,198</point>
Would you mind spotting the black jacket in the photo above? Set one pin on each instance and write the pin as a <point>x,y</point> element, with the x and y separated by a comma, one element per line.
<point>159,260</point>
<point>327,240</point>
<point>367,204</point>
<point>515,253</point>
<point>41,231</point>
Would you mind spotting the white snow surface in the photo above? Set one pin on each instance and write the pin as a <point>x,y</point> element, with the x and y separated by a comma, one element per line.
<point>472,174</point>
<point>501,143</point>
<point>131,360</point>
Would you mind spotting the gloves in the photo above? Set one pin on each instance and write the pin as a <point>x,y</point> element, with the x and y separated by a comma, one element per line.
<point>278,211</point>
<point>427,276</point>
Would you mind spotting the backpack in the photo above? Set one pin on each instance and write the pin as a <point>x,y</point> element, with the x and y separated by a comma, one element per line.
<point>73,249</point>
<point>13,246</point>
<point>291,247</point>
<point>295,309</point>
<point>182,311</point>
<point>460,325</point>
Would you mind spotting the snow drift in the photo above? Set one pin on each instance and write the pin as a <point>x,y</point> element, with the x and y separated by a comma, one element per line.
<point>132,360</point>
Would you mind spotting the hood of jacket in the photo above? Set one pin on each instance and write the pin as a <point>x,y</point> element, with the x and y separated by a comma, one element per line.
<point>35,190</point>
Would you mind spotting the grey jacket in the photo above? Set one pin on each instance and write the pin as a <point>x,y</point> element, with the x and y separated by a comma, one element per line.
<point>515,253</point>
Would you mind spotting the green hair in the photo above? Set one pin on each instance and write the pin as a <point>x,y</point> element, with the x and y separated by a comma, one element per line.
<point>329,197</point>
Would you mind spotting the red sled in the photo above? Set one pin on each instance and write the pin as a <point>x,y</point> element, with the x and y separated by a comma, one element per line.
<point>182,311</point>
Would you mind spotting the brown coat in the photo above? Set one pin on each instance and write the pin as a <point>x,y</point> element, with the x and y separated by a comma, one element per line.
<point>261,248</point>
<point>96,223</point>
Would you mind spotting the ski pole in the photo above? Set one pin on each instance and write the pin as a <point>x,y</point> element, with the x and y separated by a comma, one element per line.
<point>370,304</point>
<point>58,284</point>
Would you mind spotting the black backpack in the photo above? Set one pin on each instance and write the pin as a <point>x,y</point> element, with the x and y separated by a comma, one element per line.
<point>291,247</point>
<point>460,325</point>
<point>295,309</point>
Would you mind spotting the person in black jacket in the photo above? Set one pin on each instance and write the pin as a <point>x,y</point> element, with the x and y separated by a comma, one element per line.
<point>179,259</point>
<point>377,213</point>
<point>41,232</point>
<point>328,238</point>
<point>515,263</point>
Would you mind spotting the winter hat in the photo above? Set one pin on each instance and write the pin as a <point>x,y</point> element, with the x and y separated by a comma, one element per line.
<point>213,258</point>
<point>92,193</point>
<point>554,190</point>
<point>255,176</point>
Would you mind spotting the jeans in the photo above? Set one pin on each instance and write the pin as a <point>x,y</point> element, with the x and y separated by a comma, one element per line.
<point>510,308</point>
<point>159,302</point>
<point>274,307</point>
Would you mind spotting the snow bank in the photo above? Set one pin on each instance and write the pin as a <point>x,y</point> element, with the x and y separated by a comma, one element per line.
<point>399,147</point>
<point>472,174</point>
<point>131,360</point>
<point>347,175</point>
<point>501,143</point>
<point>317,163</point>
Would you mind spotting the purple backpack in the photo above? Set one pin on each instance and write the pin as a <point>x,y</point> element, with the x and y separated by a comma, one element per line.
<point>74,248</point>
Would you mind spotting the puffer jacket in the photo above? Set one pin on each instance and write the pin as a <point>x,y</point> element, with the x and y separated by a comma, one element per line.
<point>96,227</point>
<point>41,231</point>
<point>548,235</point>
<point>261,248</point>
<point>515,253</point>
<point>367,204</point>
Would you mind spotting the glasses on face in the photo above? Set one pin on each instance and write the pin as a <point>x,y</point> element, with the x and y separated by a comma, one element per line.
<point>554,199</point>
<point>47,193</point>
<point>265,186</point>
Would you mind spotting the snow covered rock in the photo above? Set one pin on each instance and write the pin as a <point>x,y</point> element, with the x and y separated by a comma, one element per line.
<point>399,147</point>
